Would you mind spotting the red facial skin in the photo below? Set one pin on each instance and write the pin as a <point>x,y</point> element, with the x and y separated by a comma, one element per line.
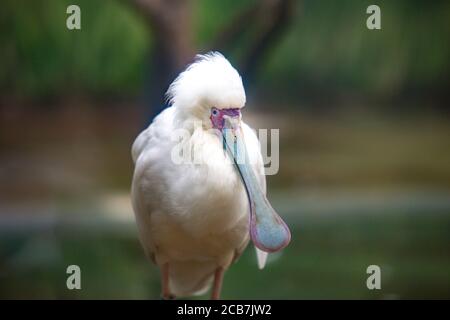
<point>218,114</point>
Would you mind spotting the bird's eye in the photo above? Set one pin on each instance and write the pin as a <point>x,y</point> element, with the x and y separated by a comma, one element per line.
<point>214,112</point>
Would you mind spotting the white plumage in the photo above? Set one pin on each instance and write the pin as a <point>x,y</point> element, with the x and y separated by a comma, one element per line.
<point>194,217</point>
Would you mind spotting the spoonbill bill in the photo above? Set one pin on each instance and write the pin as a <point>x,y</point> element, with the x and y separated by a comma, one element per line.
<point>195,218</point>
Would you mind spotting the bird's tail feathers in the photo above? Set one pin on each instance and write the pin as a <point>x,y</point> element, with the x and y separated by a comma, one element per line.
<point>261,257</point>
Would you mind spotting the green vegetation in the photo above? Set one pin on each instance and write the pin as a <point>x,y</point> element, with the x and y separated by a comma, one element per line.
<point>39,56</point>
<point>327,47</point>
<point>327,259</point>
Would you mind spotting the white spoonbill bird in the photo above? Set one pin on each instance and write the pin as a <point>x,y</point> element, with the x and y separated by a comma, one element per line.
<point>196,217</point>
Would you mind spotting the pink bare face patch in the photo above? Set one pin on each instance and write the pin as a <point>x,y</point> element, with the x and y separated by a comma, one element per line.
<point>217,115</point>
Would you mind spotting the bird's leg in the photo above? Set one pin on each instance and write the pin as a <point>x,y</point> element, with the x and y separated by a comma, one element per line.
<point>217,286</point>
<point>166,295</point>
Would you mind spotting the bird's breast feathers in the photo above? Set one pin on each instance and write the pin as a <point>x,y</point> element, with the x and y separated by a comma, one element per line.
<point>200,197</point>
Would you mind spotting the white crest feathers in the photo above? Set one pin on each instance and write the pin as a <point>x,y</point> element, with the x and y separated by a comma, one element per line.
<point>210,81</point>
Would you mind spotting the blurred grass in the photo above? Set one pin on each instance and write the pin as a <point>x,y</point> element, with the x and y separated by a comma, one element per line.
<point>327,258</point>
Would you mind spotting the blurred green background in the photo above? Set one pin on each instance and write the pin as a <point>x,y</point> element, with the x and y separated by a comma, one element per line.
<point>364,140</point>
